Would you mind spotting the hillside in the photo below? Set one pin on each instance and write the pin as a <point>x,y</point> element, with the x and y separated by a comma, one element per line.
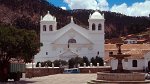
<point>26,14</point>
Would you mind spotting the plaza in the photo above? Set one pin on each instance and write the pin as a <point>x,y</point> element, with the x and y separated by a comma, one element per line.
<point>58,79</point>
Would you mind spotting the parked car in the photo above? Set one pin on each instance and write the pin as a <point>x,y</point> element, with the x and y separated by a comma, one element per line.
<point>73,70</point>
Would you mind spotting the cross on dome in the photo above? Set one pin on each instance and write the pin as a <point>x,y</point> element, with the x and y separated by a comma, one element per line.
<point>48,17</point>
<point>96,15</point>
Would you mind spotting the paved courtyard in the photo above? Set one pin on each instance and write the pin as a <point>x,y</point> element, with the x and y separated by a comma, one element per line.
<point>58,79</point>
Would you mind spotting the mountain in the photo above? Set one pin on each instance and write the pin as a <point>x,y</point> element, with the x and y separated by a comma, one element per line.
<point>26,14</point>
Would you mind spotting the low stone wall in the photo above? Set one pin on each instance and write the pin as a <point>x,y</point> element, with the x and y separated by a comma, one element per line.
<point>121,76</point>
<point>94,69</point>
<point>38,72</point>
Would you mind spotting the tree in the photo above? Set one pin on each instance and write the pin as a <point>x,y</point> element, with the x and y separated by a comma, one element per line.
<point>73,62</point>
<point>63,62</point>
<point>49,63</point>
<point>16,43</point>
<point>37,64</point>
<point>93,61</point>
<point>99,60</point>
<point>96,60</point>
<point>85,60</point>
<point>56,63</point>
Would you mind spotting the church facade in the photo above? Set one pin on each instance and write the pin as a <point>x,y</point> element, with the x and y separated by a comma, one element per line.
<point>72,40</point>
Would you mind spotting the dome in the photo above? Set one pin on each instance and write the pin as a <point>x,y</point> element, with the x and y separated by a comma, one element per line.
<point>48,17</point>
<point>96,15</point>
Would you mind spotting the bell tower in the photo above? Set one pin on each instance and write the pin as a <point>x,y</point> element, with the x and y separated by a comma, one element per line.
<point>96,31</point>
<point>96,22</point>
<point>48,23</point>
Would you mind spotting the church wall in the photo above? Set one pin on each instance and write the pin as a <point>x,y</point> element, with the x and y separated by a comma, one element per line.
<point>98,40</point>
<point>47,37</point>
<point>44,53</point>
<point>79,39</point>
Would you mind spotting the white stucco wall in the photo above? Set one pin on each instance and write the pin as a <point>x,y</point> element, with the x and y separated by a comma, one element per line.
<point>147,59</point>
<point>128,64</point>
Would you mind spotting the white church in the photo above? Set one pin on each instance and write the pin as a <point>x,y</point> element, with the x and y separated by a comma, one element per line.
<point>72,40</point>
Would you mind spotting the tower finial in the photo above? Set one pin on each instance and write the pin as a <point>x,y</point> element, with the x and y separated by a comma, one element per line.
<point>48,12</point>
<point>97,8</point>
<point>72,19</point>
<point>90,15</point>
<point>41,18</point>
<point>103,15</point>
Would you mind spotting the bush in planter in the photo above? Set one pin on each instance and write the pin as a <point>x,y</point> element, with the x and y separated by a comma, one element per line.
<point>85,60</point>
<point>46,64</point>
<point>57,63</point>
<point>96,60</point>
<point>37,64</point>
<point>73,62</point>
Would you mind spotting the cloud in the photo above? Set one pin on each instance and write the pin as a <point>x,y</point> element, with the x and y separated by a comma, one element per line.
<point>88,4</point>
<point>82,4</point>
<point>120,8</point>
<point>103,5</point>
<point>136,9</point>
<point>64,8</point>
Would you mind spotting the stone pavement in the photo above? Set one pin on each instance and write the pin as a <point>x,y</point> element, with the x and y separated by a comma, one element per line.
<point>58,79</point>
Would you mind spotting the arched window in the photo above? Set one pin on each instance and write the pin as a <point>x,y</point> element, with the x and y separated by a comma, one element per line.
<point>99,27</point>
<point>44,27</point>
<point>93,26</point>
<point>71,41</point>
<point>134,63</point>
<point>50,28</point>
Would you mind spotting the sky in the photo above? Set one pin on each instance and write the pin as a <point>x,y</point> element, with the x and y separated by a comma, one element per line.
<point>127,7</point>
